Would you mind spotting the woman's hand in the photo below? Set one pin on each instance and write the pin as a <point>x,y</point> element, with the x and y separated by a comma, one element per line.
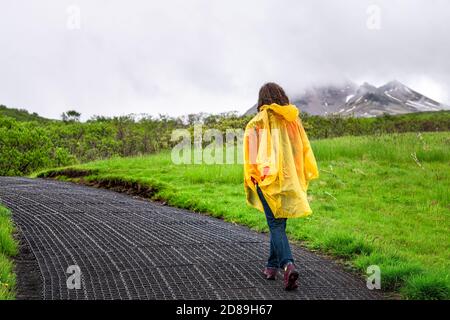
<point>265,173</point>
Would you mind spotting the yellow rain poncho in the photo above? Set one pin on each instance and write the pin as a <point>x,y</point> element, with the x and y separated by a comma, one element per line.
<point>278,156</point>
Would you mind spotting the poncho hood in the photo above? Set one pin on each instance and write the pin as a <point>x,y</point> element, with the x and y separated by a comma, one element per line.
<point>289,112</point>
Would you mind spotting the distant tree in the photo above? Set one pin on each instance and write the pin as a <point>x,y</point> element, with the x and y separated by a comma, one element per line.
<point>97,118</point>
<point>71,116</point>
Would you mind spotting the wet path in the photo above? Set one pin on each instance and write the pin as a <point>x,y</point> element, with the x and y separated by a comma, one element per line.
<point>128,248</point>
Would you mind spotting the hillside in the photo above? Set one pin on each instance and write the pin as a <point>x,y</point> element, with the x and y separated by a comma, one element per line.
<point>21,114</point>
<point>26,146</point>
<point>356,215</point>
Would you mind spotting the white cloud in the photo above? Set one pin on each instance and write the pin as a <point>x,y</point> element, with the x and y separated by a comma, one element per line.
<point>178,57</point>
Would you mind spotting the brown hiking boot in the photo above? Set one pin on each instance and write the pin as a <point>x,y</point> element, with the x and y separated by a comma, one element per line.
<point>290,277</point>
<point>270,273</point>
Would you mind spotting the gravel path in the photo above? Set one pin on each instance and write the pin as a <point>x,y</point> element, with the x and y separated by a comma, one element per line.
<point>128,248</point>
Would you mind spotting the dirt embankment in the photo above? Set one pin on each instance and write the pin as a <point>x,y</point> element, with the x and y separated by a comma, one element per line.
<point>111,183</point>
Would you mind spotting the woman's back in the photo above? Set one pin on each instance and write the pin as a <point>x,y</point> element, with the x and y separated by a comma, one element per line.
<point>283,147</point>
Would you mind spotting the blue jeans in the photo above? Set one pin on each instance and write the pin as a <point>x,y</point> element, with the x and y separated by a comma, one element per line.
<point>280,251</point>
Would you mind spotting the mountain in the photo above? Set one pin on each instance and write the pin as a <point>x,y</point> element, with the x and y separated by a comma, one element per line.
<point>392,98</point>
<point>326,99</point>
<point>362,101</point>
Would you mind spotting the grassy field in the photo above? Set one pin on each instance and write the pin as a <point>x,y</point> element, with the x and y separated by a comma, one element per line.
<point>380,200</point>
<point>8,248</point>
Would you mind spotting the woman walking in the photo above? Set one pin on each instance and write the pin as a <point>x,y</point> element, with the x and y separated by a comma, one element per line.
<point>279,163</point>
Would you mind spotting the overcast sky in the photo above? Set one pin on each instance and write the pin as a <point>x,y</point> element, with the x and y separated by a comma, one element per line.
<point>184,56</point>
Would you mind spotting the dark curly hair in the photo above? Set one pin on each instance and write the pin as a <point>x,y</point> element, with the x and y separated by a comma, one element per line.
<point>272,93</point>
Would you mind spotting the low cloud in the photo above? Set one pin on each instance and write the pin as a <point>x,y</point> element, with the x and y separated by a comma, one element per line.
<point>177,57</point>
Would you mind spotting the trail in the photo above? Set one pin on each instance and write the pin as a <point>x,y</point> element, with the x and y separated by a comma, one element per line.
<point>129,248</point>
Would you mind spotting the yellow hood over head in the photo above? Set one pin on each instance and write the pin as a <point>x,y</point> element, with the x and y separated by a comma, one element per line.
<point>289,112</point>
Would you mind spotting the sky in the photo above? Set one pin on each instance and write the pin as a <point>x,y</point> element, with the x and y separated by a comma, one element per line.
<point>174,57</point>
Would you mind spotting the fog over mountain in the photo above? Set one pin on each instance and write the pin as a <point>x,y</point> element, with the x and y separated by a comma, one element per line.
<point>112,57</point>
<point>362,101</point>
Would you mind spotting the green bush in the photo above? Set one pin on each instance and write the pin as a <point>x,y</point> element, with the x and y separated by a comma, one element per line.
<point>29,142</point>
<point>26,147</point>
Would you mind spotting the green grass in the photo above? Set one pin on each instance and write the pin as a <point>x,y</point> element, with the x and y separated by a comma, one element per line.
<point>8,248</point>
<point>380,200</point>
